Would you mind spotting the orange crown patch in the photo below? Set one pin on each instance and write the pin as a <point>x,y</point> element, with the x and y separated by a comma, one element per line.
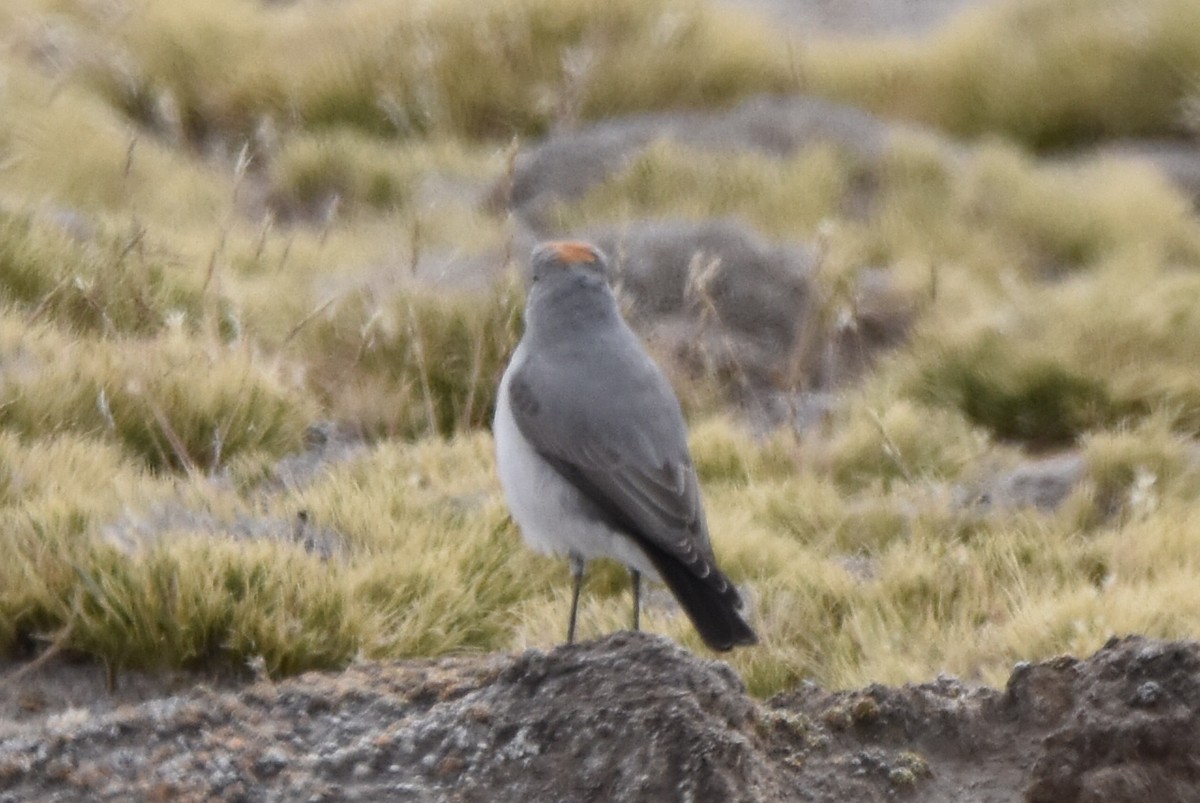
<point>571,252</point>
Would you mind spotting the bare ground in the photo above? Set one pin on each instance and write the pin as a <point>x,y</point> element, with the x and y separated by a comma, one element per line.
<point>628,717</point>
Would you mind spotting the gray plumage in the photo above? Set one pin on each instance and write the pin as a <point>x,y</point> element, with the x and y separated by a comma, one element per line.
<point>592,447</point>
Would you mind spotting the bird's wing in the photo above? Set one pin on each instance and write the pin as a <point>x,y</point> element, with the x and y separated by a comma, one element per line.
<point>616,432</point>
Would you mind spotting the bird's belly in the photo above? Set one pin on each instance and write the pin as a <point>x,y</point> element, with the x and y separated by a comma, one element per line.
<point>553,514</point>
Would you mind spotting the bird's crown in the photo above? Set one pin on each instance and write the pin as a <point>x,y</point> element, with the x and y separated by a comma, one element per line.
<point>567,252</point>
<point>558,256</point>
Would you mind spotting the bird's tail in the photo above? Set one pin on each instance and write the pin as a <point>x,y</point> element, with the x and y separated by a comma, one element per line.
<point>711,602</point>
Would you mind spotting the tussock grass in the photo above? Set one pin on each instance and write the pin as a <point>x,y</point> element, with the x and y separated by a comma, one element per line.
<point>905,440</point>
<point>1113,361</point>
<point>171,402</point>
<point>1076,216</point>
<point>180,299</point>
<point>668,179</point>
<point>447,67</point>
<point>199,599</point>
<point>423,523</point>
<point>1017,395</point>
<point>109,285</point>
<point>190,601</point>
<point>416,364</point>
<point>310,174</point>
<point>206,602</point>
<point>343,171</point>
<point>67,150</point>
<point>1045,73</point>
<point>1049,74</point>
<point>846,585</point>
<point>991,211</point>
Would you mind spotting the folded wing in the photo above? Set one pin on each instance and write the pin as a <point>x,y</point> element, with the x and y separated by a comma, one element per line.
<point>624,446</point>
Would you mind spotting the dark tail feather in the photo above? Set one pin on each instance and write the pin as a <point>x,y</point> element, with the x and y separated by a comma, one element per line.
<point>714,612</point>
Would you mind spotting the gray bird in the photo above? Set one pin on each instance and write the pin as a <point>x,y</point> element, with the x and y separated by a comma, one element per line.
<point>592,450</point>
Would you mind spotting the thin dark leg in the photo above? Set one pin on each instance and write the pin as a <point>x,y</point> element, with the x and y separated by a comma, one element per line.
<point>577,574</point>
<point>636,577</point>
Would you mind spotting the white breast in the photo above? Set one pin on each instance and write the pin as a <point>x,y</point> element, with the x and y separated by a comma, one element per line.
<point>547,508</point>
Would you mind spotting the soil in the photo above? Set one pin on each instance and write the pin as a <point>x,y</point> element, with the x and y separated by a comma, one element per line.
<point>628,717</point>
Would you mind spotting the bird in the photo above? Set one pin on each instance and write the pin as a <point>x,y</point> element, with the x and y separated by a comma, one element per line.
<point>592,452</point>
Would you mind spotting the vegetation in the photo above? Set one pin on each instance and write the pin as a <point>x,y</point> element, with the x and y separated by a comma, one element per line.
<point>1051,75</point>
<point>221,224</point>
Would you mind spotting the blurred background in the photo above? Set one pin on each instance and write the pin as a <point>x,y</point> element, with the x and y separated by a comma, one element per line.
<point>925,274</point>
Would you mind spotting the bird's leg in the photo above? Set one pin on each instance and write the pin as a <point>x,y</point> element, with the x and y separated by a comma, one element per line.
<point>636,577</point>
<point>577,574</point>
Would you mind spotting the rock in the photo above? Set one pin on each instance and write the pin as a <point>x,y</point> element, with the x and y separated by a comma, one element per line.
<point>131,532</point>
<point>1131,730</point>
<point>723,302</point>
<point>566,165</point>
<point>634,717</point>
<point>720,299</point>
<point>1043,483</point>
<point>326,445</point>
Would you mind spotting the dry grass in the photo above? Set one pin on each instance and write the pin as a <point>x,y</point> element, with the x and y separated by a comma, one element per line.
<point>208,243</point>
<point>223,69</point>
<point>1049,75</point>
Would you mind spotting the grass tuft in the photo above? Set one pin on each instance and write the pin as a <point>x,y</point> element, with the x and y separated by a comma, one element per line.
<point>452,67</point>
<point>145,396</point>
<point>414,364</point>
<point>1048,74</point>
<point>1016,396</point>
<point>310,174</point>
<point>671,180</point>
<point>113,285</point>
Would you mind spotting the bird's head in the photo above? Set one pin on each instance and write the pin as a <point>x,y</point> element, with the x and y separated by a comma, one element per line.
<point>570,288</point>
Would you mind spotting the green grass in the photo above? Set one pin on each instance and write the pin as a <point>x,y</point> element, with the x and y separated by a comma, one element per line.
<point>159,358</point>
